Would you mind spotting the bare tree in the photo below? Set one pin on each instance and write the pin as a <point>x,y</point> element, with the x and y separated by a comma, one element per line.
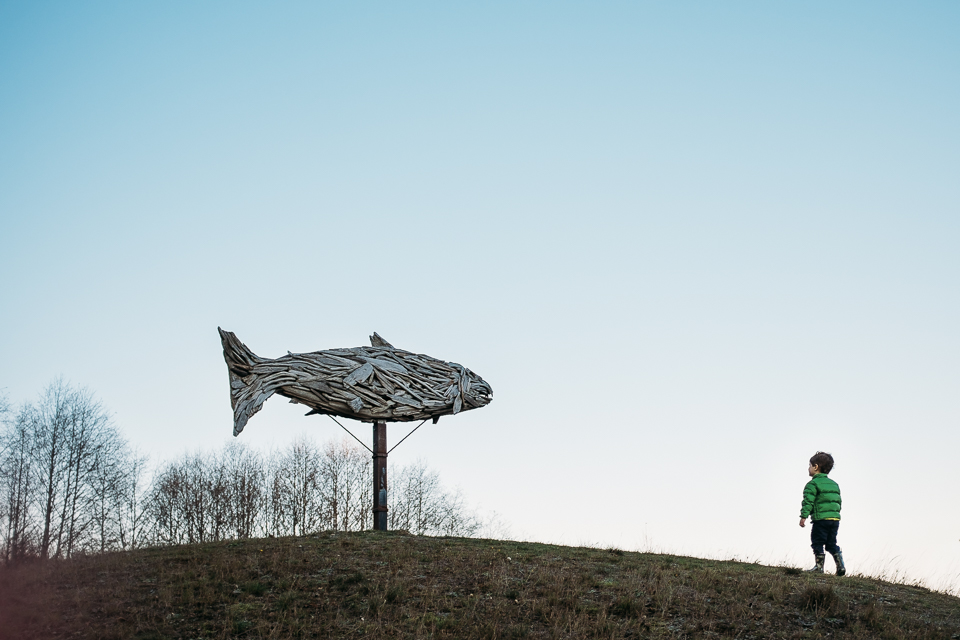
<point>207,497</point>
<point>421,505</point>
<point>96,456</point>
<point>246,490</point>
<point>166,505</point>
<point>457,518</point>
<point>116,512</point>
<point>59,462</point>
<point>47,424</point>
<point>69,483</point>
<point>181,502</point>
<point>69,429</point>
<point>16,483</point>
<point>199,491</point>
<point>346,475</point>
<point>131,507</point>
<point>219,508</point>
<point>295,490</point>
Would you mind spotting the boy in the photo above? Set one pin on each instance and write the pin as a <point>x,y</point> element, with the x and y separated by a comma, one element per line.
<point>821,501</point>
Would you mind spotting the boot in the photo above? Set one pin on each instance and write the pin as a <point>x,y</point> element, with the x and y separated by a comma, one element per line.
<point>819,557</point>
<point>838,558</point>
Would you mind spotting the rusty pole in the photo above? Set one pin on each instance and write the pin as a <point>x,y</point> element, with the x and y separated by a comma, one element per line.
<point>380,476</point>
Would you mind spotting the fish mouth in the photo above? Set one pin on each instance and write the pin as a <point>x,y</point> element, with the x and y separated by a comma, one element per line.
<point>483,392</point>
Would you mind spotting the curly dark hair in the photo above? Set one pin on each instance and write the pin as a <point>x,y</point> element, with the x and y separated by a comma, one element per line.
<point>824,461</point>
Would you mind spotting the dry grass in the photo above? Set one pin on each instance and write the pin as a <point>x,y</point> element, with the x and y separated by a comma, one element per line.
<point>392,585</point>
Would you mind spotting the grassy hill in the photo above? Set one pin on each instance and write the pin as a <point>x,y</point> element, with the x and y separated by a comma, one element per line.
<point>393,585</point>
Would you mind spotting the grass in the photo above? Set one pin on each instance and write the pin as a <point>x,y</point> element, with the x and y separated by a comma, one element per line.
<point>393,585</point>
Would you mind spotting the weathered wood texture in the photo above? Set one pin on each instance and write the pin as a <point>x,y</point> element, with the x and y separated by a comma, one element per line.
<point>373,384</point>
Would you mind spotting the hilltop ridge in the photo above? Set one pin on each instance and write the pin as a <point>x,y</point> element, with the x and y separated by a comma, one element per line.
<point>395,585</point>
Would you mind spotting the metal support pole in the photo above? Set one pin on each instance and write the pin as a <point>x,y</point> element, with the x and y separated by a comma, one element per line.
<point>380,476</point>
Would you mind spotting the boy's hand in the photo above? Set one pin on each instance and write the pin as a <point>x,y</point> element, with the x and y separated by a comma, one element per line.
<point>803,522</point>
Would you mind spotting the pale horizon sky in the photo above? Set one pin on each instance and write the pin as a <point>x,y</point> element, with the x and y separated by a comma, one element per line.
<point>688,245</point>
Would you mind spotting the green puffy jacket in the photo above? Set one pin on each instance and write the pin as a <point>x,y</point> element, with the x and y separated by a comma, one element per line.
<point>821,499</point>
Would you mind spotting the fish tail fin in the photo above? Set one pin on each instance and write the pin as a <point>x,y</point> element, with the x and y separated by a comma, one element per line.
<point>246,394</point>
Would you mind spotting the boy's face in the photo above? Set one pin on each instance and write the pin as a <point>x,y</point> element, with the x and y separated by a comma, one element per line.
<point>813,469</point>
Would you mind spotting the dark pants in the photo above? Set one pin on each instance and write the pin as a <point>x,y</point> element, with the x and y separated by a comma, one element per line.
<point>824,534</point>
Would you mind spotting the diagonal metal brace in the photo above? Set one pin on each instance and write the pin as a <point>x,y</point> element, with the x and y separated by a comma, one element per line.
<point>407,436</point>
<point>355,437</point>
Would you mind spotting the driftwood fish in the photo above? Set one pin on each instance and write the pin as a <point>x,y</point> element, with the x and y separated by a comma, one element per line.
<point>378,383</point>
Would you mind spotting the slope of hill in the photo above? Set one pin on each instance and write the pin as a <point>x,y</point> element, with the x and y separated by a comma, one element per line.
<point>393,585</point>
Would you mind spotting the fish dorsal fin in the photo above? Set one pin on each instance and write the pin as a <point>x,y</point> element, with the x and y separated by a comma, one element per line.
<point>377,341</point>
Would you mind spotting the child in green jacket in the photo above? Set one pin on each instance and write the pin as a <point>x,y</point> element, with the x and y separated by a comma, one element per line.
<point>821,501</point>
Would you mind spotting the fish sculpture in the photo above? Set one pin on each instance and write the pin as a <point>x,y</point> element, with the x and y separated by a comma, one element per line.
<point>379,383</point>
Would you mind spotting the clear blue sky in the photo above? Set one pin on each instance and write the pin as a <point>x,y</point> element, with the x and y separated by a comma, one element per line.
<point>688,244</point>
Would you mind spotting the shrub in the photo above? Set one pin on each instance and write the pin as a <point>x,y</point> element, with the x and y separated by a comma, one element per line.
<point>820,599</point>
